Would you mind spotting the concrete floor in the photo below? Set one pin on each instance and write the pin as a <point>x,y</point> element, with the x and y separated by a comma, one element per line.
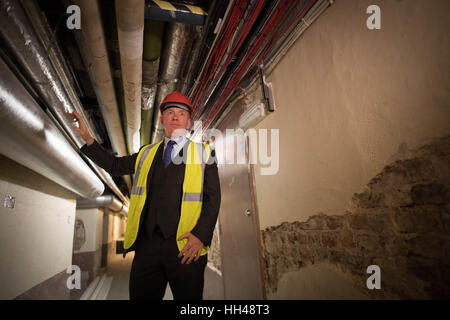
<point>119,269</point>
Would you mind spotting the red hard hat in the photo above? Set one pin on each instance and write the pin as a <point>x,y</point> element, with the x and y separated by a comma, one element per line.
<point>178,100</point>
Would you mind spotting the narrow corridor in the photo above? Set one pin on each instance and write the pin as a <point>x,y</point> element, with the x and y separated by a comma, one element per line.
<point>304,145</point>
<point>118,271</point>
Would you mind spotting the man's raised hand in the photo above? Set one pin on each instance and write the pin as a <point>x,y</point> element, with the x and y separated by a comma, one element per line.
<point>82,129</point>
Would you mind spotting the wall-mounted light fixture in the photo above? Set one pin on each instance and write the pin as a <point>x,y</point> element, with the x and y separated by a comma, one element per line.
<point>252,115</point>
<point>267,90</point>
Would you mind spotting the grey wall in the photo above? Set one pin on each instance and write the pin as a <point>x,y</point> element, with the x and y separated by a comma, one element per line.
<point>35,236</point>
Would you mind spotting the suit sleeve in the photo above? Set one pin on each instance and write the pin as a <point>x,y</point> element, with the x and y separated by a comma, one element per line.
<point>115,166</point>
<point>211,204</point>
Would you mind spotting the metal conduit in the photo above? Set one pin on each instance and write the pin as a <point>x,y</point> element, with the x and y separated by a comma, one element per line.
<point>285,41</point>
<point>108,201</point>
<point>178,37</point>
<point>311,16</point>
<point>221,24</point>
<point>29,137</point>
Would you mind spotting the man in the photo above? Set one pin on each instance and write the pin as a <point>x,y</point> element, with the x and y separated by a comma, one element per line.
<point>174,205</point>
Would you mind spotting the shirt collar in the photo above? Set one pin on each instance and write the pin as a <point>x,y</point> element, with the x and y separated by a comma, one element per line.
<point>180,141</point>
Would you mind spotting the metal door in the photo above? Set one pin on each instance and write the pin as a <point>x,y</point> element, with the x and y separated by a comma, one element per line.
<point>239,225</point>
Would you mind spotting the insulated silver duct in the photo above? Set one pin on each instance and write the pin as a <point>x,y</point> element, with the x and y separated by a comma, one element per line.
<point>46,75</point>
<point>20,38</point>
<point>29,137</point>
<point>55,57</point>
<point>57,60</point>
<point>175,51</point>
<point>108,201</point>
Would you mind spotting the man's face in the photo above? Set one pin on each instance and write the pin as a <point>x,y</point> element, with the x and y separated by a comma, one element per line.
<point>175,121</point>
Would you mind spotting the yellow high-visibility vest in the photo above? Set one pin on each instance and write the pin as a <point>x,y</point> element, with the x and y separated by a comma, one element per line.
<point>191,205</point>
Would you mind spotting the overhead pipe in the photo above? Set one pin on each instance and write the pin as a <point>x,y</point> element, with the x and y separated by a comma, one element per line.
<point>130,29</point>
<point>177,40</point>
<point>189,72</point>
<point>108,201</point>
<point>112,45</point>
<point>29,137</point>
<point>18,33</point>
<point>174,12</point>
<point>20,38</point>
<point>47,40</point>
<point>153,37</point>
<point>92,45</point>
<point>93,34</point>
<point>102,173</point>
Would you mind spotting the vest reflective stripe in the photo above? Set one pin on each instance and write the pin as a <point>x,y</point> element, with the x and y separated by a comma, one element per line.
<point>138,190</point>
<point>140,162</point>
<point>193,196</point>
<point>191,205</point>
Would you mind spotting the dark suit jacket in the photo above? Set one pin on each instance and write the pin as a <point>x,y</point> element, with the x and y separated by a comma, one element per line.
<point>165,189</point>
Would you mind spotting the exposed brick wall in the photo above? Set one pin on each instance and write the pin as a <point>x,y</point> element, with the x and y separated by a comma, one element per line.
<point>214,250</point>
<point>400,222</point>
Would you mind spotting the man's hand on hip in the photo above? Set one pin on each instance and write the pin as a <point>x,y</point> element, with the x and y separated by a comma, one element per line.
<point>192,249</point>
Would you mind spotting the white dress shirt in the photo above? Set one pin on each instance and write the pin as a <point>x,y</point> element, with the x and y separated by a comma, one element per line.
<point>179,143</point>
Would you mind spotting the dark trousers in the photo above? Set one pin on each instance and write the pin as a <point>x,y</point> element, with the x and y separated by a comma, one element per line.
<point>156,263</point>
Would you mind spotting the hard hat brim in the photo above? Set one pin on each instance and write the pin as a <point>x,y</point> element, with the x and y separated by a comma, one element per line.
<point>176,105</point>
